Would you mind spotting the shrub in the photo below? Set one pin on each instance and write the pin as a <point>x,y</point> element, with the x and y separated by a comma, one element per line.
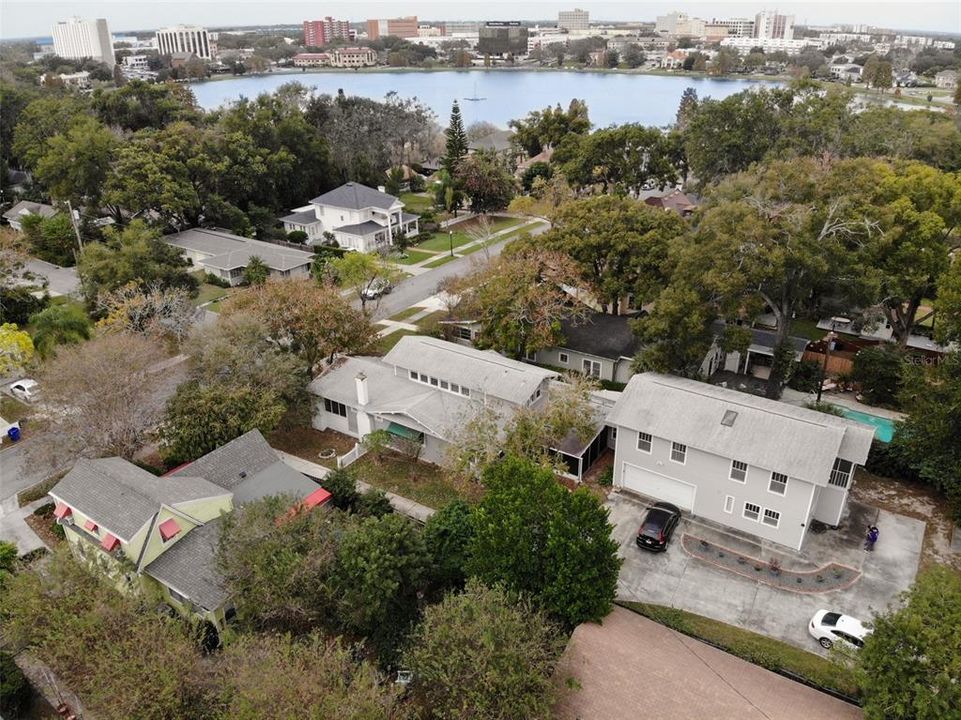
<point>343,489</point>
<point>824,407</point>
<point>607,477</point>
<point>212,279</point>
<point>880,372</point>
<point>373,503</point>
<point>805,377</point>
<point>297,236</point>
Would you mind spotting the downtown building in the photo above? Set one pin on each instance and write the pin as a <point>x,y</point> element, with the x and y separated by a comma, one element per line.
<point>318,33</point>
<point>185,39</point>
<point>574,21</point>
<point>502,37</point>
<point>78,39</point>
<point>403,27</point>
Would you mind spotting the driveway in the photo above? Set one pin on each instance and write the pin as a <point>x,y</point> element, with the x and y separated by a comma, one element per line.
<point>61,281</point>
<point>676,579</point>
<point>630,667</point>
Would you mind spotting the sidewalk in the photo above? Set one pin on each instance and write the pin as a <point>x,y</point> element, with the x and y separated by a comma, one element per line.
<point>13,527</point>
<point>402,505</point>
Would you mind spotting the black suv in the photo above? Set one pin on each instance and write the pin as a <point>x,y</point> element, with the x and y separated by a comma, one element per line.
<point>658,526</point>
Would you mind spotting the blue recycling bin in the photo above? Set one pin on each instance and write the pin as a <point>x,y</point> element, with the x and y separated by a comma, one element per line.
<point>13,433</point>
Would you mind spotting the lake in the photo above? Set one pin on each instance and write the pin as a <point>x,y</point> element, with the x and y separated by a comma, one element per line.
<point>612,98</point>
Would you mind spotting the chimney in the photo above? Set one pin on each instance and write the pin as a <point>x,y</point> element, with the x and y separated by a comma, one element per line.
<point>382,188</point>
<point>361,382</point>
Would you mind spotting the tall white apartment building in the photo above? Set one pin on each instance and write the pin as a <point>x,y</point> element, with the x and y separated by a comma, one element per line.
<point>736,27</point>
<point>769,25</point>
<point>185,39</point>
<point>574,20</point>
<point>76,39</point>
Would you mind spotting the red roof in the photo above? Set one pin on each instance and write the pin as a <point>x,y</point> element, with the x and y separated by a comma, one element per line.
<point>317,497</point>
<point>90,525</point>
<point>61,511</point>
<point>109,542</point>
<point>168,529</point>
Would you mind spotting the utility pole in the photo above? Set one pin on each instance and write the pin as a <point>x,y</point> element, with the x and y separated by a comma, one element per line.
<point>76,228</point>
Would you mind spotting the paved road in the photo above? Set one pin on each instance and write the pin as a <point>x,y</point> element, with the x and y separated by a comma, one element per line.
<point>62,281</point>
<point>417,288</point>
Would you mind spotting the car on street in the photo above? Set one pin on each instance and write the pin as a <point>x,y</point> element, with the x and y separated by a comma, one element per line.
<point>658,526</point>
<point>829,627</point>
<point>27,390</point>
<point>378,287</point>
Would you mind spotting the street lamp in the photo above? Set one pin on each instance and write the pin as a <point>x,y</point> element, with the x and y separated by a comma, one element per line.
<point>829,345</point>
<point>450,237</point>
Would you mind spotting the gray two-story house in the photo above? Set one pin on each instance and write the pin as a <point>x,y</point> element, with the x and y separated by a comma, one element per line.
<point>756,465</point>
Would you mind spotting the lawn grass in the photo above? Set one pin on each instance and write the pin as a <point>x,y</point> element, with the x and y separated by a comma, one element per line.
<point>758,649</point>
<point>440,241</point>
<point>416,202</point>
<point>807,329</point>
<point>423,483</point>
<point>12,409</point>
<point>208,292</point>
<point>406,313</point>
<point>385,343</point>
<point>443,260</point>
<point>308,443</point>
<point>413,257</point>
<point>429,323</point>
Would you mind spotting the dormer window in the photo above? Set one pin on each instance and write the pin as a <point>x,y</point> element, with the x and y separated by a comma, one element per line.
<point>169,528</point>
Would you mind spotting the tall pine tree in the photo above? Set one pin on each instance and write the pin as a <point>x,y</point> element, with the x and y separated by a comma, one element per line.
<point>687,108</point>
<point>456,141</point>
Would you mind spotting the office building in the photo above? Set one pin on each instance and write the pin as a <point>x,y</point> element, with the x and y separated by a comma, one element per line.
<point>501,37</point>
<point>574,20</point>
<point>736,27</point>
<point>677,24</point>
<point>184,39</point>
<point>76,39</point>
<point>461,27</point>
<point>404,27</point>
<point>769,25</point>
<point>318,33</point>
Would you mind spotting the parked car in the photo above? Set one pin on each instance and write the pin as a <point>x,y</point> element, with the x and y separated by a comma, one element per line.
<point>658,526</point>
<point>27,390</point>
<point>377,288</point>
<point>829,627</point>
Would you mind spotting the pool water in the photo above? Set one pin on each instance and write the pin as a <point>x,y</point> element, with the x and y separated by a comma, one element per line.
<point>883,427</point>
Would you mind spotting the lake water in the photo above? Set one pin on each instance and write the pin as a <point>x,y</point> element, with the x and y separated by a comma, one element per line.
<point>612,98</point>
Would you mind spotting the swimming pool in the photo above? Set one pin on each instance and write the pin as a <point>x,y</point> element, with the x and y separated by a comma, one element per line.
<point>883,427</point>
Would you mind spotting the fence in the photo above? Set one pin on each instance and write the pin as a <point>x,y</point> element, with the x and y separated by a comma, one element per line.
<point>837,364</point>
<point>352,456</point>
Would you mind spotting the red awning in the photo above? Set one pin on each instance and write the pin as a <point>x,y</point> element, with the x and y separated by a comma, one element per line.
<point>109,542</point>
<point>90,525</point>
<point>168,529</point>
<point>317,497</point>
<point>61,511</point>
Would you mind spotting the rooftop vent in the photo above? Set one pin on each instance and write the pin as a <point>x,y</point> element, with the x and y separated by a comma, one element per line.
<point>243,473</point>
<point>729,417</point>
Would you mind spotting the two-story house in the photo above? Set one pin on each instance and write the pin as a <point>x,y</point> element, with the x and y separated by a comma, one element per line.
<point>756,465</point>
<point>161,533</point>
<point>356,216</point>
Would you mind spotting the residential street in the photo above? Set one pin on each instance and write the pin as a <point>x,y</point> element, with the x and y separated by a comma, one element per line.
<point>62,281</point>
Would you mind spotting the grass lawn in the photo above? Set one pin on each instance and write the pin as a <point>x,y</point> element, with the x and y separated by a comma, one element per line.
<point>12,409</point>
<point>385,343</point>
<point>443,260</point>
<point>758,649</point>
<point>417,481</point>
<point>413,257</point>
<point>208,292</point>
<point>406,313</point>
<point>441,242</point>
<point>308,443</point>
<point>807,329</point>
<point>429,323</point>
<point>416,202</point>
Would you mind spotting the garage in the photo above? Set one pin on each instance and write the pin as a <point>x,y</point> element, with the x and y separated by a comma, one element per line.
<point>659,487</point>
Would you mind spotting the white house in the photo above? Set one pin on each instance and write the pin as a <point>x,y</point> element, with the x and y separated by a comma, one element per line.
<point>756,361</point>
<point>359,218</point>
<point>15,215</point>
<point>946,79</point>
<point>756,465</point>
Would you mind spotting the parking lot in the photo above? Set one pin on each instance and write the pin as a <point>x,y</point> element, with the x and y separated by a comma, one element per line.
<point>674,578</point>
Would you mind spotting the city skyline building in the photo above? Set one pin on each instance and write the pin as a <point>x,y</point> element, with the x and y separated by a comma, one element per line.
<point>77,38</point>
<point>576,20</point>
<point>185,39</point>
<point>320,32</point>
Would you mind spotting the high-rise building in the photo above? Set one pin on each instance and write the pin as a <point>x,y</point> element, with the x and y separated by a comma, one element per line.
<point>320,32</point>
<point>736,27</point>
<point>404,27</point>
<point>76,39</point>
<point>769,25</point>
<point>461,27</point>
<point>677,24</point>
<point>502,37</point>
<point>576,20</point>
<point>185,39</point>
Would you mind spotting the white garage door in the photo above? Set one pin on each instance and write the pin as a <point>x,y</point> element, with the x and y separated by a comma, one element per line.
<point>658,487</point>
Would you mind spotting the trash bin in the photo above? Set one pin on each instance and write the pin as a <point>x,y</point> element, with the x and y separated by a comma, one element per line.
<point>13,433</point>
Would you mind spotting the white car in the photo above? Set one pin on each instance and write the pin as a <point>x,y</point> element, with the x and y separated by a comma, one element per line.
<point>829,627</point>
<point>27,390</point>
<point>378,287</point>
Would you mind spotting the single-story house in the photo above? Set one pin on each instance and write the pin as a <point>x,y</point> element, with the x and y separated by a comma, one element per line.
<point>675,200</point>
<point>599,345</point>
<point>15,215</point>
<point>880,332</point>
<point>756,360</point>
<point>227,255</point>
<point>161,533</point>
<point>358,217</point>
<point>752,464</point>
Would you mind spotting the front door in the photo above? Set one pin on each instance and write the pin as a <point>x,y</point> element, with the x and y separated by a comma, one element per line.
<point>352,421</point>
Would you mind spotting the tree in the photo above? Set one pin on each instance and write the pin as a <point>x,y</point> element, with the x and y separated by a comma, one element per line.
<point>41,120</point>
<point>535,170</point>
<point>395,180</point>
<point>52,239</point>
<point>152,311</point>
<point>342,486</point>
<point>76,163</point>
<point>364,274</point>
<point>687,108</point>
<point>16,349</point>
<point>447,537</point>
<point>256,272</point>
<point>528,527</point>
<point>909,665</point>
<point>484,653</point>
<point>880,372</point>
<point>456,141</point>
<point>65,324</point>
<point>870,70</point>
<point>634,57</point>
<point>314,321</point>
<point>139,105</point>
<point>948,305</point>
<point>548,127</point>
<point>485,181</point>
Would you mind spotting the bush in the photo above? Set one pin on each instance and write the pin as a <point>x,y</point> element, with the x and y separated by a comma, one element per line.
<point>824,407</point>
<point>373,503</point>
<point>805,377</point>
<point>15,691</point>
<point>297,236</point>
<point>19,304</point>
<point>885,460</point>
<point>607,477</point>
<point>880,372</point>
<point>343,489</point>
<point>212,279</point>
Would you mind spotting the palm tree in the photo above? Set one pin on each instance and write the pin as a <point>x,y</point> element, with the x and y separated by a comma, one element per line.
<point>59,325</point>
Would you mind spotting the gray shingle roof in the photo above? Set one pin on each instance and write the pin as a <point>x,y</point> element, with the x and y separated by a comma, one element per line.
<point>365,228</point>
<point>798,442</point>
<point>28,207</point>
<point>355,196</point>
<point>600,334</point>
<point>189,566</point>
<point>304,217</point>
<point>122,498</point>
<point>498,141</point>
<point>227,251</point>
<point>763,338</point>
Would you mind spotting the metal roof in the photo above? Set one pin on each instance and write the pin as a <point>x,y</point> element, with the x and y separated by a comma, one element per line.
<point>227,251</point>
<point>798,442</point>
<point>355,196</point>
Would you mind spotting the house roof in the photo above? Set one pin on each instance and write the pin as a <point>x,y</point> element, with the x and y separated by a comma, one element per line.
<point>189,566</point>
<point>304,217</point>
<point>480,370</point>
<point>227,251</point>
<point>674,200</point>
<point>365,228</point>
<point>122,497</point>
<point>355,196</point>
<point>27,207</point>
<point>498,141</point>
<point>764,338</point>
<point>798,442</point>
<point>600,334</point>
<point>249,468</point>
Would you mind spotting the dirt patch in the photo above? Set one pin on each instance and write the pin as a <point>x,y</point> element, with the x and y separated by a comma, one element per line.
<point>43,523</point>
<point>916,501</point>
<point>311,444</point>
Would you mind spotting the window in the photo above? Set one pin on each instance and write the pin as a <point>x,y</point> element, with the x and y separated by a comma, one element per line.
<point>444,385</point>
<point>531,355</point>
<point>678,452</point>
<point>738,471</point>
<point>413,374</point>
<point>182,599</point>
<point>772,517</point>
<point>454,388</point>
<point>729,504</point>
<point>335,408</point>
<point>563,358</point>
<point>752,511</point>
<point>644,442</point>
<point>465,391</point>
<point>841,473</point>
<point>424,378</point>
<point>778,484</point>
<point>433,381</point>
<point>592,368</point>
<point>464,333</point>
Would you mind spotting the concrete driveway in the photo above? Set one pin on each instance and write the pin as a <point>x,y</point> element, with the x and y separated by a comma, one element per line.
<point>61,281</point>
<point>676,579</point>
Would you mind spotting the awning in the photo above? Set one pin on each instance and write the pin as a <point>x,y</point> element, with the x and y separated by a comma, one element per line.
<point>405,432</point>
<point>109,542</point>
<point>90,525</point>
<point>169,528</point>
<point>317,497</point>
<point>62,511</point>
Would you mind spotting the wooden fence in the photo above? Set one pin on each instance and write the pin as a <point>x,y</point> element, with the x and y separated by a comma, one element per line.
<point>838,363</point>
